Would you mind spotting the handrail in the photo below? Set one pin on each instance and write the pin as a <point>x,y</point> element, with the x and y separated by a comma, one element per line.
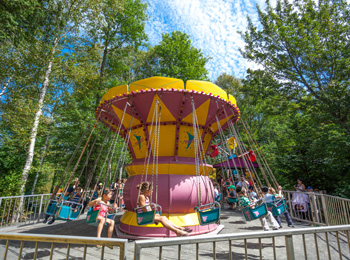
<point>235,236</point>
<point>26,196</point>
<point>121,243</point>
<point>140,244</point>
<point>318,208</point>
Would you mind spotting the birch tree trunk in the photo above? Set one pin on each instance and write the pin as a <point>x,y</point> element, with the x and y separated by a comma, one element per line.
<point>34,131</point>
<point>30,153</point>
<point>41,163</point>
<point>5,86</point>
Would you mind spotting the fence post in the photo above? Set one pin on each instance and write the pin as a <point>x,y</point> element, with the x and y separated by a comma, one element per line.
<point>346,218</point>
<point>122,251</point>
<point>290,247</point>
<point>41,204</point>
<point>324,207</point>
<point>137,252</point>
<point>314,209</point>
<point>290,205</point>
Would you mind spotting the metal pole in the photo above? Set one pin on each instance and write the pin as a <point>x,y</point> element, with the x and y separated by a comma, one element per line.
<point>137,252</point>
<point>122,253</point>
<point>290,247</point>
<point>324,207</point>
<point>41,204</point>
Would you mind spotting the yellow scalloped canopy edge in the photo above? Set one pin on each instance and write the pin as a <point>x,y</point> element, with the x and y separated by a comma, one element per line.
<point>169,83</point>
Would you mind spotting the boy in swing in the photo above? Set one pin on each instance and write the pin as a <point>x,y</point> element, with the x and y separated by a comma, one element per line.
<point>244,201</point>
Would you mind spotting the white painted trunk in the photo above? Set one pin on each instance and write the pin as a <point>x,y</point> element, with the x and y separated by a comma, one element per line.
<point>41,163</point>
<point>30,153</point>
<point>6,86</point>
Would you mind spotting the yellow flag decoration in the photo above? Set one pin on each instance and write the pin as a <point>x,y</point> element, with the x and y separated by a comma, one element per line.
<point>231,142</point>
<point>212,175</point>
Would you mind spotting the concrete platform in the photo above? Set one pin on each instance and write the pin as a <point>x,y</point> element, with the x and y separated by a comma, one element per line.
<point>232,221</point>
<point>120,234</point>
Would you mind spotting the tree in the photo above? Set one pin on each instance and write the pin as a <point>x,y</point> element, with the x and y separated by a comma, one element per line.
<point>305,45</point>
<point>114,25</point>
<point>58,20</point>
<point>299,102</point>
<point>231,85</point>
<point>19,19</point>
<point>175,57</point>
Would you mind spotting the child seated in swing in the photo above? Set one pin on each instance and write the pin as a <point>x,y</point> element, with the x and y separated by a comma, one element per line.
<point>244,201</point>
<point>75,197</point>
<point>231,195</point>
<point>102,204</point>
<point>145,192</point>
<point>286,213</point>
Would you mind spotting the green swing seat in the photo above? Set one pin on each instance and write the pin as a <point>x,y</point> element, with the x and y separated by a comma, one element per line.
<point>67,212</point>
<point>257,212</point>
<point>209,213</point>
<point>91,217</point>
<point>277,207</point>
<point>232,200</point>
<point>147,217</point>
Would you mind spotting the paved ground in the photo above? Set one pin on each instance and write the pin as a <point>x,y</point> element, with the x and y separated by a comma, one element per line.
<point>232,220</point>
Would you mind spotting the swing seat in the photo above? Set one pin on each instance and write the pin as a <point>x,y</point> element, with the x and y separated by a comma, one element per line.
<point>91,217</point>
<point>254,213</point>
<point>147,217</point>
<point>218,198</point>
<point>209,213</point>
<point>277,208</point>
<point>232,200</point>
<point>51,208</point>
<point>67,213</point>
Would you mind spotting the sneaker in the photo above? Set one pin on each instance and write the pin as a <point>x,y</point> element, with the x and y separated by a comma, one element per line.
<point>51,221</point>
<point>45,220</point>
<point>275,229</point>
<point>292,226</point>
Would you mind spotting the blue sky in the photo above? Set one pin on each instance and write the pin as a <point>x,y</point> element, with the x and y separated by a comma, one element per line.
<point>212,26</point>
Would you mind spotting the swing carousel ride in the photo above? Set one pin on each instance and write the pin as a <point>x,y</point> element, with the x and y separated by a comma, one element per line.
<point>168,127</point>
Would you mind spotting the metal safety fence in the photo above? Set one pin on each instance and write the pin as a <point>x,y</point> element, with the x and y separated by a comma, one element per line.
<point>307,243</point>
<point>31,211</point>
<point>33,246</point>
<point>317,208</point>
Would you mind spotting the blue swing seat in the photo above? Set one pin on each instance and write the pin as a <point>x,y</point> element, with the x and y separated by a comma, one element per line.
<point>147,217</point>
<point>277,207</point>
<point>231,200</point>
<point>67,212</point>
<point>218,198</point>
<point>51,208</point>
<point>209,213</point>
<point>257,212</point>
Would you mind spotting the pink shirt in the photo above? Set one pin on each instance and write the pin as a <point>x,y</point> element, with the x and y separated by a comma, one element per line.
<point>103,211</point>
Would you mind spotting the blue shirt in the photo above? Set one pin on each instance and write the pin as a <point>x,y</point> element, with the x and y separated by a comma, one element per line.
<point>268,198</point>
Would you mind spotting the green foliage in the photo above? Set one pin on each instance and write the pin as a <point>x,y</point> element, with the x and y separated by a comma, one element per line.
<point>298,104</point>
<point>175,57</point>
